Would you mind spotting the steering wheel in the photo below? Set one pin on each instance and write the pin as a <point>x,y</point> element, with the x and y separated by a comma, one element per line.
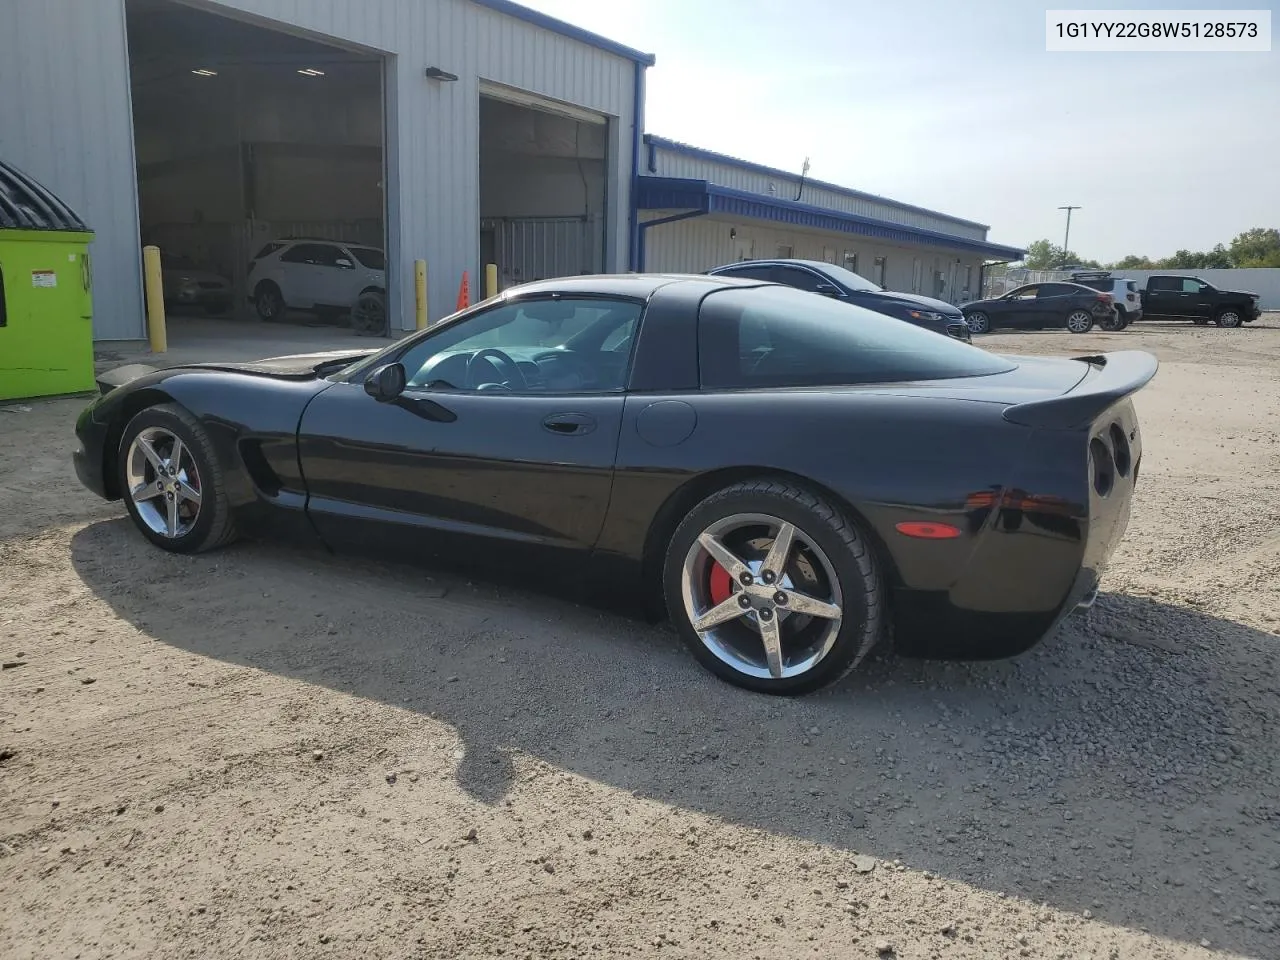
<point>498,361</point>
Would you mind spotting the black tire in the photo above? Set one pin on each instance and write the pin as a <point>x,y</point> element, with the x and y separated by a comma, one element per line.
<point>213,526</point>
<point>979,321</point>
<point>369,313</point>
<point>863,604</point>
<point>1228,318</point>
<point>1066,322</point>
<point>268,301</point>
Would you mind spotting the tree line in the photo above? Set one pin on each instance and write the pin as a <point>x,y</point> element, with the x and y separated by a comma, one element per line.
<point>1259,247</point>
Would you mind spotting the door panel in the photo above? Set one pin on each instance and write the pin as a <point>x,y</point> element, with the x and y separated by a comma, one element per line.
<point>433,469</point>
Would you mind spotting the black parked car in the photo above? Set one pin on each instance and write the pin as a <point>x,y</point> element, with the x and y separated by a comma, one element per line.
<point>841,284</point>
<point>1039,305</point>
<point>645,432</point>
<point>1190,298</point>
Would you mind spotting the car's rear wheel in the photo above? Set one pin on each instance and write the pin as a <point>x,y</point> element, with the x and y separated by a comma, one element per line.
<point>269,301</point>
<point>1079,321</point>
<point>773,588</point>
<point>171,482</point>
<point>978,322</point>
<point>1229,318</point>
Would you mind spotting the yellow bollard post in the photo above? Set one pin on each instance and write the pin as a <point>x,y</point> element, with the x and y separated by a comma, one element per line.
<point>154,283</point>
<point>420,293</point>
<point>490,280</point>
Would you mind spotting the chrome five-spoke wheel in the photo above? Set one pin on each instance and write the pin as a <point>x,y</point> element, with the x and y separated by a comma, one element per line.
<point>762,596</point>
<point>163,482</point>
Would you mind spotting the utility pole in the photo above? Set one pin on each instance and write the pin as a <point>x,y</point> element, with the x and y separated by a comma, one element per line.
<point>1066,240</point>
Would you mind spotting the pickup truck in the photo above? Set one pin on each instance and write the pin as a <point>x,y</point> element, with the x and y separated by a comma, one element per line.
<point>1190,298</point>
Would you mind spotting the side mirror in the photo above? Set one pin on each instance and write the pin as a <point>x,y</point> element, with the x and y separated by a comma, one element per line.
<point>385,383</point>
<point>345,264</point>
<point>829,290</point>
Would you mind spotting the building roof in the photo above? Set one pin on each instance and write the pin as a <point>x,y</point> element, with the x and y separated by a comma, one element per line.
<point>675,146</point>
<point>702,196</point>
<point>567,30</point>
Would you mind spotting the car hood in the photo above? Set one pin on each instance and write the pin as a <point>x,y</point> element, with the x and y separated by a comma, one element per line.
<point>300,366</point>
<point>176,276</point>
<point>913,301</point>
<point>1241,293</point>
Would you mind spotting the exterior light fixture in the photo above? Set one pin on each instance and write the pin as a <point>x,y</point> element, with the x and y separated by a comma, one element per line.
<point>311,72</point>
<point>733,233</point>
<point>435,73</point>
<point>205,72</point>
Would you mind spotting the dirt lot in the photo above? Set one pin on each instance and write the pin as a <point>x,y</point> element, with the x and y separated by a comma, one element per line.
<point>269,753</point>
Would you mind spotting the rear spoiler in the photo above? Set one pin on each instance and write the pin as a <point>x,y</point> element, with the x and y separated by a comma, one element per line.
<point>119,376</point>
<point>1111,378</point>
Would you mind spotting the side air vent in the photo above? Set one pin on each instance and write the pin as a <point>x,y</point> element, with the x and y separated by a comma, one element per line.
<point>1103,467</point>
<point>1120,450</point>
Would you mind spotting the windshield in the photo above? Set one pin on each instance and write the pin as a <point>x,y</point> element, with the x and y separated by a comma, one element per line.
<point>370,257</point>
<point>854,281</point>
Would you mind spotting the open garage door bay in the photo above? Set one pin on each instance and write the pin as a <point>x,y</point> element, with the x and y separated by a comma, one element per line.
<point>543,186</point>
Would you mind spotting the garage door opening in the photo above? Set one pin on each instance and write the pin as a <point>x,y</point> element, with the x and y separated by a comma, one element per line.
<point>260,169</point>
<point>543,171</point>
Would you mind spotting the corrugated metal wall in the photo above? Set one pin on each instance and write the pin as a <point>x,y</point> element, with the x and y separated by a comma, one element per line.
<point>675,164</point>
<point>704,242</point>
<point>70,125</point>
<point>65,120</point>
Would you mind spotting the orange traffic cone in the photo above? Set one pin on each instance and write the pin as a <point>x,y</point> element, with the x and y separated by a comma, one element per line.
<point>464,292</point>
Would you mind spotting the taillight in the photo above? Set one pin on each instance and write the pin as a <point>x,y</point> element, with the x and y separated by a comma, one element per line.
<point>1130,297</point>
<point>1105,297</point>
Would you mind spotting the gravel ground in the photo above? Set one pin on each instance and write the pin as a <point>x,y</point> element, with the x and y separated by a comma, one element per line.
<point>276,753</point>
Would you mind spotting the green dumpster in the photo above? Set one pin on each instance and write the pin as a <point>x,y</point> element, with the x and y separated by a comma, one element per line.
<point>46,292</point>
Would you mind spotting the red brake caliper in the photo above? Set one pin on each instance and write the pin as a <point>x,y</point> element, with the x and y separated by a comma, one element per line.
<point>721,585</point>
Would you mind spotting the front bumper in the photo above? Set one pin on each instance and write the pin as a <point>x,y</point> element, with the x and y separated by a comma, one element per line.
<point>88,458</point>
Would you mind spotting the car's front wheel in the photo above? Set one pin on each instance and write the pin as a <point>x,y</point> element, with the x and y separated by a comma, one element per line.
<point>978,322</point>
<point>1079,321</point>
<point>773,588</point>
<point>1229,318</point>
<point>172,483</point>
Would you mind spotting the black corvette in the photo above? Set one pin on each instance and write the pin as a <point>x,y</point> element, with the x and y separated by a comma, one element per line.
<point>793,486</point>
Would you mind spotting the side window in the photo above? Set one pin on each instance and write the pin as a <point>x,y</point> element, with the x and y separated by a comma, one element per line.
<point>779,337</point>
<point>1190,285</point>
<point>300,253</point>
<point>327,255</point>
<point>785,251</point>
<point>556,345</point>
<point>750,273</point>
<point>798,278</point>
<point>1050,290</point>
<point>1164,283</point>
<point>1025,293</point>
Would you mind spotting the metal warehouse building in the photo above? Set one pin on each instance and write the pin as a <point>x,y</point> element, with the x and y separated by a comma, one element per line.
<point>459,132</point>
<point>701,209</point>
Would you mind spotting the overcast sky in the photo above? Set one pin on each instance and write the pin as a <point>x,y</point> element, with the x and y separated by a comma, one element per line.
<point>958,107</point>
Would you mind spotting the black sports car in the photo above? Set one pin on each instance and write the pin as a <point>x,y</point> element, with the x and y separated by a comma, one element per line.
<point>842,284</point>
<point>794,477</point>
<point>1039,305</point>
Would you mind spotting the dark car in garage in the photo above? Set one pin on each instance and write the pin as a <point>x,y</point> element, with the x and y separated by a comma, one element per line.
<point>1036,306</point>
<point>841,284</point>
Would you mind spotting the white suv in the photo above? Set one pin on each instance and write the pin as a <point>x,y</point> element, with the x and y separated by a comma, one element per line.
<point>1124,292</point>
<point>312,274</point>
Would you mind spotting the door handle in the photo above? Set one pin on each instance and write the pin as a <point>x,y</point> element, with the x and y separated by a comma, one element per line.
<point>569,424</point>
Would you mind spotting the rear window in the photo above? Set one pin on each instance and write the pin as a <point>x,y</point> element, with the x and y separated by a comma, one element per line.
<point>269,249</point>
<point>1132,285</point>
<point>371,258</point>
<point>780,337</point>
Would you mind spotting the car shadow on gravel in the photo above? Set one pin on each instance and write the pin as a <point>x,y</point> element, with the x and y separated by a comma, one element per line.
<point>1114,769</point>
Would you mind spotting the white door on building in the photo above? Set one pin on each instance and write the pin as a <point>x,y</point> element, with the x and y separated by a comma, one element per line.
<point>742,249</point>
<point>917,275</point>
